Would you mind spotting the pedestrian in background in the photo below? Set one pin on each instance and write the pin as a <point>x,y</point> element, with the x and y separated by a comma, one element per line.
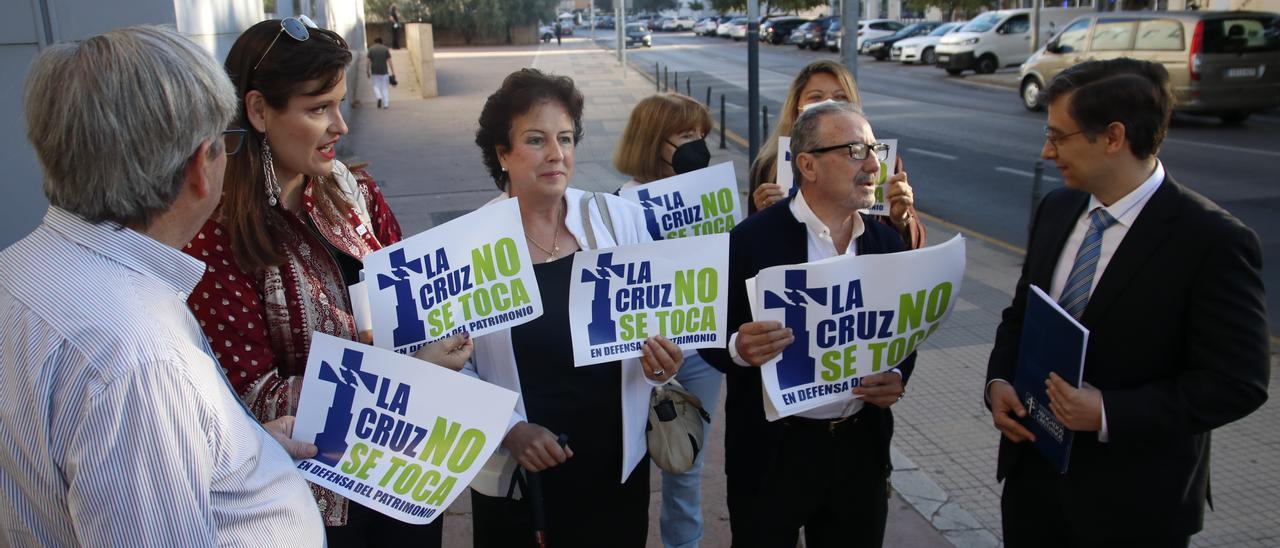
<point>825,469</point>
<point>817,82</point>
<point>559,29</point>
<point>380,70</point>
<point>288,239</point>
<point>394,16</point>
<point>595,490</point>
<point>666,136</point>
<point>119,428</point>
<point>1169,286</point>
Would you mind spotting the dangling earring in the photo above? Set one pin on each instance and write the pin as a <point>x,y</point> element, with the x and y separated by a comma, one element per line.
<point>273,186</point>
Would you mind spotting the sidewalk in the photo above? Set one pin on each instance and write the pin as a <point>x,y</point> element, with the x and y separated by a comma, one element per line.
<point>422,152</point>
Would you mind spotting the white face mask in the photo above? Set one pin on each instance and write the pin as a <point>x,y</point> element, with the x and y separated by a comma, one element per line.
<point>811,105</point>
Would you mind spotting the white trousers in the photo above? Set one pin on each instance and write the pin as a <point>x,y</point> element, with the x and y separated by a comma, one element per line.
<point>380,88</point>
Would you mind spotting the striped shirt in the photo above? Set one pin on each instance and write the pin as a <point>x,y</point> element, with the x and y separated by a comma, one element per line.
<point>117,426</point>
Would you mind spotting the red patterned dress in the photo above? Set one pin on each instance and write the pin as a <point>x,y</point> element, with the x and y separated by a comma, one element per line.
<point>260,324</point>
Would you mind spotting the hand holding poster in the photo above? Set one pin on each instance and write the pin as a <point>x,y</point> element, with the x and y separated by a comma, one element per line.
<point>472,274</point>
<point>395,434</point>
<point>881,207</point>
<point>672,288</point>
<point>690,204</point>
<point>852,316</point>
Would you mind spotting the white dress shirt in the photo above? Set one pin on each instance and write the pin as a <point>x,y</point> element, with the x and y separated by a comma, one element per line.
<point>118,426</point>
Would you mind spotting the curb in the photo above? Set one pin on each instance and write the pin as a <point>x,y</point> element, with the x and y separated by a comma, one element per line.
<point>946,516</point>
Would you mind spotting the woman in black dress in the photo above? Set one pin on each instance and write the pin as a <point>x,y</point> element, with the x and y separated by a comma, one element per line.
<point>595,488</point>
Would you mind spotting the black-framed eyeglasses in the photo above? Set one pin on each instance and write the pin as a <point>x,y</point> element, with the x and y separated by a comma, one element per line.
<point>233,139</point>
<point>858,151</point>
<point>1053,139</point>
<point>295,27</point>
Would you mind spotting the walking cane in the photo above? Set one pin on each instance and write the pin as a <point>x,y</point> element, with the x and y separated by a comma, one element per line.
<point>534,482</point>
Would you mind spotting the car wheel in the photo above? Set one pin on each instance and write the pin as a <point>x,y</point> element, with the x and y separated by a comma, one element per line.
<point>986,64</point>
<point>1234,117</point>
<point>881,56</point>
<point>801,46</point>
<point>929,57</point>
<point>954,71</point>
<point>814,47</point>
<point>1031,94</point>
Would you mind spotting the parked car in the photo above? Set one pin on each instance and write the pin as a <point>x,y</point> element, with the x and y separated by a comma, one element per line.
<point>604,22</point>
<point>724,28</point>
<point>776,31</point>
<point>657,22</point>
<point>546,33</point>
<point>706,26</point>
<point>833,35</point>
<point>678,23</point>
<point>921,48</point>
<point>738,29</point>
<point>638,35</point>
<point>816,36</point>
<point>1220,63</point>
<point>880,47</point>
<point>797,35</point>
<point>999,39</point>
<point>875,28</point>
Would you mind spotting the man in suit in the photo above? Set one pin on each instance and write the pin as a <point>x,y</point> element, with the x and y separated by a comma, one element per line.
<point>1169,286</point>
<point>825,469</point>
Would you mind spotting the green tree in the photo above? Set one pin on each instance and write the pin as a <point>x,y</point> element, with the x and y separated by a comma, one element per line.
<point>695,5</point>
<point>729,6</point>
<point>654,6</point>
<point>952,10</point>
<point>794,6</point>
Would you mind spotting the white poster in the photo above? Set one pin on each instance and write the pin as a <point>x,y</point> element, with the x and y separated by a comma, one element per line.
<point>671,288</point>
<point>785,176</point>
<point>852,316</point>
<point>697,203</point>
<point>472,274</point>
<point>881,207</point>
<point>395,434</point>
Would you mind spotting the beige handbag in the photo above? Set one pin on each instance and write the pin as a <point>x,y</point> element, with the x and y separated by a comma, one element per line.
<point>676,427</point>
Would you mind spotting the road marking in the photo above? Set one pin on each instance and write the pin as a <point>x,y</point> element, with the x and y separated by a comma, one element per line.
<point>1025,173</point>
<point>1224,147</point>
<point>934,154</point>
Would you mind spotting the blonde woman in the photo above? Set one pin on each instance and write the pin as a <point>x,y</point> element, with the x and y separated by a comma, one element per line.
<point>818,82</point>
<point>666,136</point>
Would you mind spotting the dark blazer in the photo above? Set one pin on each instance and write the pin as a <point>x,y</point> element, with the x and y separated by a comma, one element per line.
<point>770,238</point>
<point>1178,346</point>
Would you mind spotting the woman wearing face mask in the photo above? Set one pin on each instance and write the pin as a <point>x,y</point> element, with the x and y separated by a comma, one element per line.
<point>596,489</point>
<point>666,136</point>
<point>818,82</point>
<point>288,238</point>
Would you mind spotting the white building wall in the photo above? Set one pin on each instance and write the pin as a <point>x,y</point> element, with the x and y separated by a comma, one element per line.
<point>28,25</point>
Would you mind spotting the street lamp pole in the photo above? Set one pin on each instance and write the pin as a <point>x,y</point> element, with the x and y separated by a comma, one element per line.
<point>753,78</point>
<point>849,10</point>
<point>620,25</point>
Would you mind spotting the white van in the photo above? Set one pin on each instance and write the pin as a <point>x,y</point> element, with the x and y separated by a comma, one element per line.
<point>999,39</point>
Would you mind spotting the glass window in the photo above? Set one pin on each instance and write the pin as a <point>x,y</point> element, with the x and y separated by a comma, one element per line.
<point>1072,39</point>
<point>1112,34</point>
<point>1159,34</point>
<point>1240,34</point>
<point>1017,24</point>
<point>982,23</point>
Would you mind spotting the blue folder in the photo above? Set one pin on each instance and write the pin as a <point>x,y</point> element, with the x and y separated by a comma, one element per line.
<point>1052,341</point>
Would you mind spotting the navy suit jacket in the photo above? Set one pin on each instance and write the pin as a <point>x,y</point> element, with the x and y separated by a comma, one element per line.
<point>1178,346</point>
<point>770,238</point>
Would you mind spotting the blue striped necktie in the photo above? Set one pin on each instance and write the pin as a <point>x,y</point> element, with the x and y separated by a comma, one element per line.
<point>1075,295</point>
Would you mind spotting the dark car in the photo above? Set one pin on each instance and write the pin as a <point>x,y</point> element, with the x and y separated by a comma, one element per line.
<point>776,31</point>
<point>638,35</point>
<point>880,47</point>
<point>816,35</point>
<point>797,35</point>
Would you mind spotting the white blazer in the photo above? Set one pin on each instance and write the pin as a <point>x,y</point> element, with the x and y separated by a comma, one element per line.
<point>494,361</point>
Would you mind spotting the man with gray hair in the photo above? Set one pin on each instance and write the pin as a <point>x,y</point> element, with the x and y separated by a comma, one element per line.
<point>825,469</point>
<point>119,427</point>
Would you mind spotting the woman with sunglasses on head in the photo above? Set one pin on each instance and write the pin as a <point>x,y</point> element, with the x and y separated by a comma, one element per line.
<point>666,136</point>
<point>595,489</point>
<point>819,82</point>
<point>288,238</point>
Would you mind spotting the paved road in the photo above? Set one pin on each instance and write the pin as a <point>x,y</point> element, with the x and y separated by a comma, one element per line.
<point>971,148</point>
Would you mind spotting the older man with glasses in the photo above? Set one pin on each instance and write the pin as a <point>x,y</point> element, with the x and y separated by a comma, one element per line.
<point>119,427</point>
<point>824,469</point>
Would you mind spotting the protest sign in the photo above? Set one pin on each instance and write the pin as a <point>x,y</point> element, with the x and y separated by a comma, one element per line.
<point>690,204</point>
<point>671,288</point>
<point>785,176</point>
<point>852,316</point>
<point>472,274</point>
<point>881,207</point>
<point>395,434</point>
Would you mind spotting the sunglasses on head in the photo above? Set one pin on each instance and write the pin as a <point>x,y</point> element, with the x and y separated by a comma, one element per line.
<point>295,27</point>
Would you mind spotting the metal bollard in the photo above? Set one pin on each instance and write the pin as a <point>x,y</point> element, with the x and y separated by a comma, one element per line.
<point>688,87</point>
<point>764,115</point>
<point>676,78</point>
<point>666,80</point>
<point>1035,193</point>
<point>657,81</point>
<point>722,145</point>
<point>708,97</point>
